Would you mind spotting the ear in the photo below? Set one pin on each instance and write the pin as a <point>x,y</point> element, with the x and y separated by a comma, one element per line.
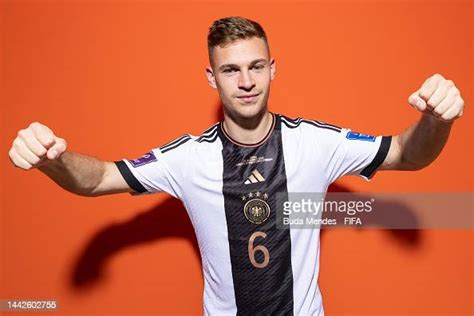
<point>272,69</point>
<point>211,79</point>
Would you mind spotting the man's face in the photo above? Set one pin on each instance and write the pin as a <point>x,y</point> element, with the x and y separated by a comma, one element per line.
<point>241,72</point>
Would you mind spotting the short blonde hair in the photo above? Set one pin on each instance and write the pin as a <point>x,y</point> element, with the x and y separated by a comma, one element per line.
<point>230,29</point>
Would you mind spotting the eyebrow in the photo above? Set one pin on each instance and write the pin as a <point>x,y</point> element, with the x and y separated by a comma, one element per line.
<point>256,61</point>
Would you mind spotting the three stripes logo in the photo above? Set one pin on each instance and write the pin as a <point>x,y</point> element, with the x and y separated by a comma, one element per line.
<point>255,177</point>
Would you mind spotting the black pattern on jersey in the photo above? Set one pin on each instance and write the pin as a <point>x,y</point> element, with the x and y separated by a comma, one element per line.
<point>258,290</point>
<point>294,123</point>
<point>131,180</point>
<point>174,144</point>
<point>379,158</point>
<point>210,135</point>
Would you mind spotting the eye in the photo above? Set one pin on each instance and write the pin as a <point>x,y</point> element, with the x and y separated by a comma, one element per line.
<point>259,67</point>
<point>229,70</point>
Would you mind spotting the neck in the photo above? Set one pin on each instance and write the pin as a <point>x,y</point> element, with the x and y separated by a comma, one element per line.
<point>248,130</point>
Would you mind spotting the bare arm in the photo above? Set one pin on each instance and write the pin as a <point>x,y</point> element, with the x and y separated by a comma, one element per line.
<point>419,145</point>
<point>85,175</point>
<point>37,147</point>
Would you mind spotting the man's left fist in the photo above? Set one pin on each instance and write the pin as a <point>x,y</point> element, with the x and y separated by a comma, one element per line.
<point>438,97</point>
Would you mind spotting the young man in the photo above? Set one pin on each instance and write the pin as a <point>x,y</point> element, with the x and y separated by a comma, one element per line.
<point>229,176</point>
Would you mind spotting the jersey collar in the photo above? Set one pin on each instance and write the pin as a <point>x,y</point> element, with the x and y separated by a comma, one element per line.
<point>264,139</point>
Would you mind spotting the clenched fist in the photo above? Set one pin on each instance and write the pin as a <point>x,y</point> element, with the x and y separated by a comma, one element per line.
<point>34,146</point>
<point>438,97</point>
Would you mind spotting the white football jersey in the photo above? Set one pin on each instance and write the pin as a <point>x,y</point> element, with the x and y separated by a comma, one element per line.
<point>229,191</point>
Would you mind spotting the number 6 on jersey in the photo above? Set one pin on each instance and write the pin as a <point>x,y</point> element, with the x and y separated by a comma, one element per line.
<point>253,250</point>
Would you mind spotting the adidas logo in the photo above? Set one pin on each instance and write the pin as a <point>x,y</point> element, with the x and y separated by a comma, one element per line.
<point>255,177</point>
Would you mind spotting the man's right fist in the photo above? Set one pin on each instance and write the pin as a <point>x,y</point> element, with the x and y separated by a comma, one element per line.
<point>34,146</point>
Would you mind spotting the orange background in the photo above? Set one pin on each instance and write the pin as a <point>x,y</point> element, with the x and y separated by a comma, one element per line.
<point>116,79</point>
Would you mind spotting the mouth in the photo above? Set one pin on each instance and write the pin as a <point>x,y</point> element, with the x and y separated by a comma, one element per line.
<point>248,98</point>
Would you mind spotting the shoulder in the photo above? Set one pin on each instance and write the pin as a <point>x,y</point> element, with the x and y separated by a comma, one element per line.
<point>176,144</point>
<point>309,126</point>
<point>209,135</point>
<point>188,142</point>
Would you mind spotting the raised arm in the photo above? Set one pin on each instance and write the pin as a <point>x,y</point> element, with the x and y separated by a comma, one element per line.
<point>440,103</point>
<point>38,147</point>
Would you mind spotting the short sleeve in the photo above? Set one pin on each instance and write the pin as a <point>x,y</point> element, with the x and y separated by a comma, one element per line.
<point>353,153</point>
<point>159,170</point>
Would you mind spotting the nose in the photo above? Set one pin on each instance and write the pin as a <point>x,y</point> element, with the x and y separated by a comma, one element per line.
<point>246,82</point>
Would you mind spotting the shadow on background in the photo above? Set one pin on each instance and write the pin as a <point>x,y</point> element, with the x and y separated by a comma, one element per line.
<point>406,237</point>
<point>167,219</point>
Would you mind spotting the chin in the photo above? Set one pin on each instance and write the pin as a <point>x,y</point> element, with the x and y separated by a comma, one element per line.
<point>248,111</point>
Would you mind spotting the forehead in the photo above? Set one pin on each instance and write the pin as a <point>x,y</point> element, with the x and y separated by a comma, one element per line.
<point>240,52</point>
